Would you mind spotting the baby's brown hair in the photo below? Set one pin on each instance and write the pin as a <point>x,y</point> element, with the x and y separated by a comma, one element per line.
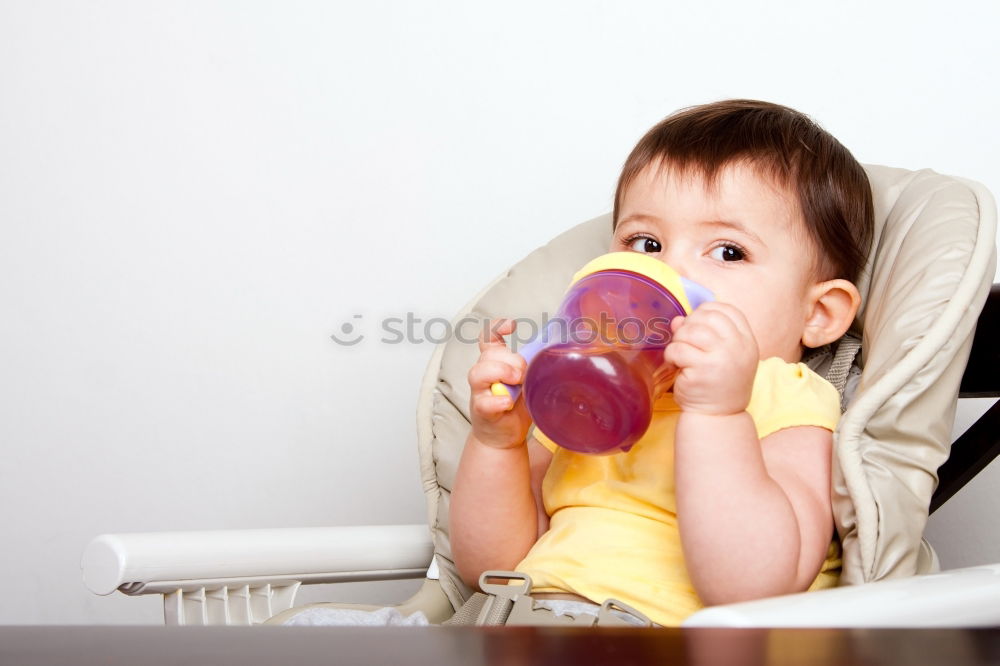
<point>831,186</point>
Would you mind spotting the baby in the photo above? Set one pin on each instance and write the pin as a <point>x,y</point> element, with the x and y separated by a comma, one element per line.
<point>727,496</point>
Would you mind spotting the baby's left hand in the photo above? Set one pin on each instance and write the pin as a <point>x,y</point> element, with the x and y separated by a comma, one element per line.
<point>716,354</point>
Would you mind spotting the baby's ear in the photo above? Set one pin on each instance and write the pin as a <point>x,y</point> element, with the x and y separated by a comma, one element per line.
<point>831,309</point>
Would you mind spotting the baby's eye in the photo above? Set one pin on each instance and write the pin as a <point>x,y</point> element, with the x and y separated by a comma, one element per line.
<point>645,244</point>
<point>728,253</point>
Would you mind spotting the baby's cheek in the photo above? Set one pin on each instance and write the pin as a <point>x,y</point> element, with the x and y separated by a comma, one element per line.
<point>777,333</point>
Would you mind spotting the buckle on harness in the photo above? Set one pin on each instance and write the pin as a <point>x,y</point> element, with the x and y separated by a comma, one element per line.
<point>510,605</point>
<point>607,618</point>
<point>501,597</point>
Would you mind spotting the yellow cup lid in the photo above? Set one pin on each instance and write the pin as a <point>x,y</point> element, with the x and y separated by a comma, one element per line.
<point>641,264</point>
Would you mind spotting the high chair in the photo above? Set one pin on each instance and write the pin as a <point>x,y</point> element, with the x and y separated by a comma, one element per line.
<point>927,280</point>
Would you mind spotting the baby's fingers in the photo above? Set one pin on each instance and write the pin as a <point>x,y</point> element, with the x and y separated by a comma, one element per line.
<point>697,333</point>
<point>682,355</point>
<point>491,406</point>
<point>485,373</point>
<point>505,356</point>
<point>492,334</point>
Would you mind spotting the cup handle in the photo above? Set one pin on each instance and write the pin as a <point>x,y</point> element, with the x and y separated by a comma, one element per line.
<point>696,294</point>
<point>527,352</point>
<point>514,391</point>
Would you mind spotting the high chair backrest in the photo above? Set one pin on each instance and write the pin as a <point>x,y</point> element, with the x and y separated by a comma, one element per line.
<point>930,269</point>
<point>929,273</point>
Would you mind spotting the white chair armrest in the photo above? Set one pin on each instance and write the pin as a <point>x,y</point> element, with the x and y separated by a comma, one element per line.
<point>161,562</point>
<point>956,598</point>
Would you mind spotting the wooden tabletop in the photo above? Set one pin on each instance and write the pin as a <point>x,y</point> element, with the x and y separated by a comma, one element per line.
<point>443,646</point>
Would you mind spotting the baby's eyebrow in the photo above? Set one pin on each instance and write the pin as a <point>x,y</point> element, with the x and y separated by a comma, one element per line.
<point>638,217</point>
<point>735,226</point>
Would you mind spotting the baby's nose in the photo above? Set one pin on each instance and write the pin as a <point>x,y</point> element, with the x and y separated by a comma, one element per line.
<point>676,261</point>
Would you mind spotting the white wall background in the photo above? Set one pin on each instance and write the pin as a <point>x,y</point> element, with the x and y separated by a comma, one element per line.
<point>195,195</point>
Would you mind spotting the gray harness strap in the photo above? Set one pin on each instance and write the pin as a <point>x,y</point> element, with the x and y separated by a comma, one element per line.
<point>836,363</point>
<point>511,605</point>
<point>469,612</point>
<point>843,359</point>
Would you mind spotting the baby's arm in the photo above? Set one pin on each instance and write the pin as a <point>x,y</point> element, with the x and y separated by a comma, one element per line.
<point>754,516</point>
<point>496,510</point>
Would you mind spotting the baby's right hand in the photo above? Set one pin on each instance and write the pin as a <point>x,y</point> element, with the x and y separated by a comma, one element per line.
<point>494,423</point>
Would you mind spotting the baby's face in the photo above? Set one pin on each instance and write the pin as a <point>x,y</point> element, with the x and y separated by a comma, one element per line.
<point>745,240</point>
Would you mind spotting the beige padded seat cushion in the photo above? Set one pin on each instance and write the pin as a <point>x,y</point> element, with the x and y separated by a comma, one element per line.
<point>929,273</point>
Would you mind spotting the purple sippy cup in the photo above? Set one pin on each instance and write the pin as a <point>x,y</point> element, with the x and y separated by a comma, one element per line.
<point>596,368</point>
